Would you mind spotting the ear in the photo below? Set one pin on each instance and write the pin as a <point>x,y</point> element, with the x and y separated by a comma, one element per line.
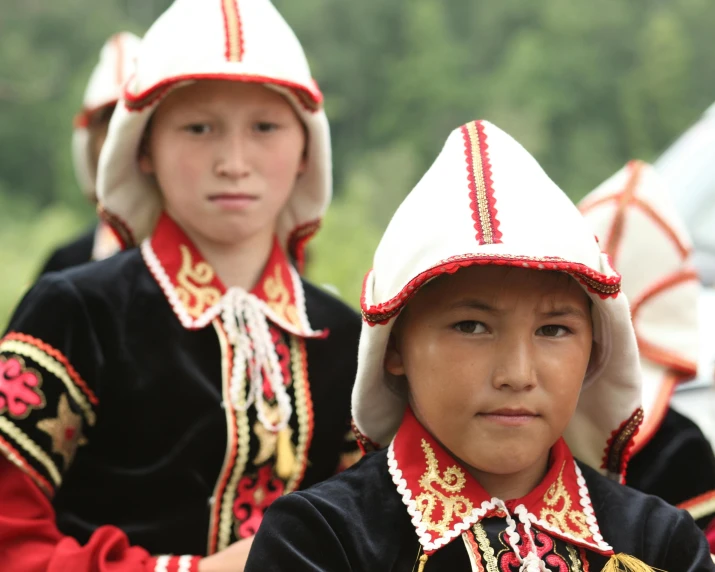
<point>146,163</point>
<point>303,165</point>
<point>393,358</point>
<point>144,156</point>
<point>593,358</point>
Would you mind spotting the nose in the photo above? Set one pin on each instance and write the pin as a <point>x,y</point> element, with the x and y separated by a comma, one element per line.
<point>232,157</point>
<point>515,368</point>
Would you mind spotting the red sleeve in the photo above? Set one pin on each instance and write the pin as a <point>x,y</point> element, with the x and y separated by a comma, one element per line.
<point>710,534</point>
<point>31,542</point>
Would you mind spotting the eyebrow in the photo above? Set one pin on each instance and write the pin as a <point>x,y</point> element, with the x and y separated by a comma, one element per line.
<point>558,312</point>
<point>474,304</point>
<point>566,310</point>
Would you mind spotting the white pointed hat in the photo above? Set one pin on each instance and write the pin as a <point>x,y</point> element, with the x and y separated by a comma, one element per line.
<point>688,169</point>
<point>116,63</point>
<point>634,217</point>
<point>236,40</point>
<point>486,200</point>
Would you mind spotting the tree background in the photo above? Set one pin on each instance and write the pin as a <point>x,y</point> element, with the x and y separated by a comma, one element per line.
<point>585,86</point>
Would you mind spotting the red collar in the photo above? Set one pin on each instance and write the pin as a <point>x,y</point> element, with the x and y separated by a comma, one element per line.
<point>444,500</point>
<point>194,290</point>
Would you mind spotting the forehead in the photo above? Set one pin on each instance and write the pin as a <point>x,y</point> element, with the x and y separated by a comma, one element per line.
<point>501,287</point>
<point>222,93</point>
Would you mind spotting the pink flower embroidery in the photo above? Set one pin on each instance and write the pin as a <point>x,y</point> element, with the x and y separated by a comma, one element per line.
<point>19,388</point>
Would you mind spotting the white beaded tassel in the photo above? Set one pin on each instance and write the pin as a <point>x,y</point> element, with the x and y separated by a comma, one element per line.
<point>247,330</point>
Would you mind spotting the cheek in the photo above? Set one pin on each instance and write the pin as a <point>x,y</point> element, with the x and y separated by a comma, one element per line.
<point>180,170</point>
<point>281,164</point>
<point>444,370</point>
<point>563,372</point>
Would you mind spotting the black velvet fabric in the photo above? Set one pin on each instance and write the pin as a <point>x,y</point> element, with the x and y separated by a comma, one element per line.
<point>357,522</point>
<point>677,464</point>
<point>153,458</point>
<point>74,253</point>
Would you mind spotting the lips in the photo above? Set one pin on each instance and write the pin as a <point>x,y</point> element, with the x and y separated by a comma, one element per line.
<point>509,416</point>
<point>512,412</point>
<point>233,201</point>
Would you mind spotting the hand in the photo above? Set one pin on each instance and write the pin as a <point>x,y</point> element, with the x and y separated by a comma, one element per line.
<point>231,559</point>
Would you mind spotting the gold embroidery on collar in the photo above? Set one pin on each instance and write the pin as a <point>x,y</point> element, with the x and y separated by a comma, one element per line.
<point>452,506</point>
<point>575,559</point>
<point>560,518</point>
<point>485,547</point>
<point>193,280</point>
<point>279,298</point>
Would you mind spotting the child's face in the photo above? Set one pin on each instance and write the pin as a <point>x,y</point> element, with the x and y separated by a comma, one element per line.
<point>226,156</point>
<point>495,359</point>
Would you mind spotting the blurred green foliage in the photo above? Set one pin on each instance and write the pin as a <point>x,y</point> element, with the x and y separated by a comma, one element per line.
<point>584,86</point>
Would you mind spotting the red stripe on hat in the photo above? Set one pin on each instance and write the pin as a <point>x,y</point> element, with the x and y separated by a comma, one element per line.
<point>233,29</point>
<point>615,233</point>
<point>481,192</point>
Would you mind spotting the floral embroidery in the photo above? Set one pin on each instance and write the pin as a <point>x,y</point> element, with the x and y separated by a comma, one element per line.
<point>65,431</point>
<point>545,549</point>
<point>255,495</point>
<point>53,361</point>
<point>243,484</point>
<point>19,388</point>
<point>450,505</point>
<point>193,290</point>
<point>563,517</point>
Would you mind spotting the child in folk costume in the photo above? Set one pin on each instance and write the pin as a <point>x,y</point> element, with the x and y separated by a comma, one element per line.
<point>116,61</point>
<point>496,347</point>
<point>638,226</point>
<point>176,390</point>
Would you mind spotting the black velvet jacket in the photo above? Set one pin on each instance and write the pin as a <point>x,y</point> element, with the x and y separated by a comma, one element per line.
<point>74,253</point>
<point>125,398</point>
<point>678,465</point>
<point>397,505</point>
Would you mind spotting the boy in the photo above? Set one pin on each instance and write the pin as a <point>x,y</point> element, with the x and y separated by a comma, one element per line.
<point>495,343</point>
<point>637,225</point>
<point>173,391</point>
<point>104,89</point>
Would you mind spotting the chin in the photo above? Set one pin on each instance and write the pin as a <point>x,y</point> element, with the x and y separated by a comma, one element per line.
<point>505,459</point>
<point>226,234</point>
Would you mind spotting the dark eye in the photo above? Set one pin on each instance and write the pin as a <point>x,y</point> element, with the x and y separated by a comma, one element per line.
<point>198,128</point>
<point>552,331</point>
<point>470,327</point>
<point>265,126</point>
